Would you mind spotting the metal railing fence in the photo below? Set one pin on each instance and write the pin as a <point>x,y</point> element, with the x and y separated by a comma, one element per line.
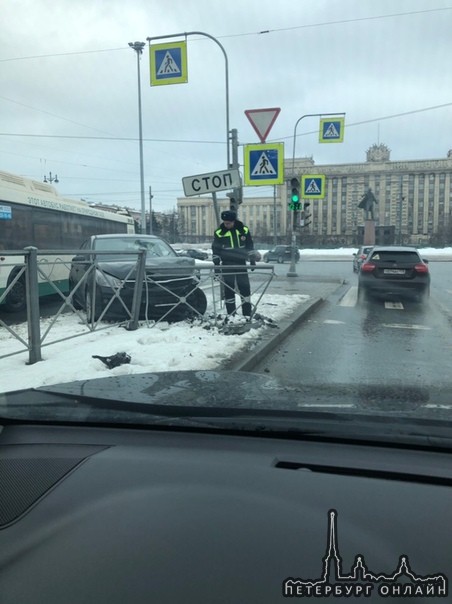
<point>144,292</point>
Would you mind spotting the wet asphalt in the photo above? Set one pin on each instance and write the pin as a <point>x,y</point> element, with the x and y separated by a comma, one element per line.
<point>380,343</point>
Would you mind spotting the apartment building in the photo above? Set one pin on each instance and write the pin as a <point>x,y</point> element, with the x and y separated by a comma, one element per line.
<point>414,202</point>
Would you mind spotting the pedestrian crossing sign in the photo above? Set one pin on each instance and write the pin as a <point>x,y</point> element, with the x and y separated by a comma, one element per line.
<point>263,164</point>
<point>168,63</point>
<point>313,186</point>
<point>332,130</point>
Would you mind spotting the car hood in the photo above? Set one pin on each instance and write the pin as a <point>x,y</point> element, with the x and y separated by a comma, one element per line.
<point>231,394</point>
<point>176,266</point>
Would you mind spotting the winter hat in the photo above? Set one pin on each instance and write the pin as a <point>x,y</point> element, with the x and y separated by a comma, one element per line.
<point>228,215</point>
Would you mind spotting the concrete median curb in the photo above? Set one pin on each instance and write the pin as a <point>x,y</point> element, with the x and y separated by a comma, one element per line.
<point>246,361</point>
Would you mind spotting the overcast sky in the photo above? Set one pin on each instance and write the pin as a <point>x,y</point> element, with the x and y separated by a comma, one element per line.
<point>68,73</point>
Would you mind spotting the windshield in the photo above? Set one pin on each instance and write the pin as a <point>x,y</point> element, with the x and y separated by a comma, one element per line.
<point>304,175</point>
<point>155,248</point>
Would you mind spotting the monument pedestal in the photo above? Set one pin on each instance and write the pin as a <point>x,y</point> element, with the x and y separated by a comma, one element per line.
<point>369,232</point>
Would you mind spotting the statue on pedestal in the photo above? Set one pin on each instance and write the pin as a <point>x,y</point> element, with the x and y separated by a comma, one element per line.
<point>367,203</point>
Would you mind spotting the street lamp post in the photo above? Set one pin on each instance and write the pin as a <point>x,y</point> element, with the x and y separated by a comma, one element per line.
<point>51,178</point>
<point>138,48</point>
<point>292,270</point>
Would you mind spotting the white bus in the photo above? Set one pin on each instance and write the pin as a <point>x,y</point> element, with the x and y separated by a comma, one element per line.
<point>32,213</point>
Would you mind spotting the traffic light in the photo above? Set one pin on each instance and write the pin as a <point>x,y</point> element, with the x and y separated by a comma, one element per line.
<point>235,199</point>
<point>294,198</point>
<point>295,190</point>
<point>306,214</point>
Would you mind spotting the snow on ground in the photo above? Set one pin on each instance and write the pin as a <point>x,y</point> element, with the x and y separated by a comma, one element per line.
<point>342,251</point>
<point>161,347</point>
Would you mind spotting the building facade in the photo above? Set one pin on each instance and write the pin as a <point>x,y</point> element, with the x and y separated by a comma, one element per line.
<point>197,220</point>
<point>414,203</point>
<point>414,198</point>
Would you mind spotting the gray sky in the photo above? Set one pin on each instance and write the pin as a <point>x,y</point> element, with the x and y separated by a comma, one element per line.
<point>67,70</point>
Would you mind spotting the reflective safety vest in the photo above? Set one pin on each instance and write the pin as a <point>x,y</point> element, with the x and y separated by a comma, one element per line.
<point>232,246</point>
<point>232,238</point>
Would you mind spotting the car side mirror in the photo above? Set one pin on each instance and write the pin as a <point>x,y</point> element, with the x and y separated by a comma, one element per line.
<point>80,258</point>
<point>355,254</point>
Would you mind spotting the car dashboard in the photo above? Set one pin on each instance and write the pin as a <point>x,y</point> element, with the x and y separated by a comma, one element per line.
<point>93,514</point>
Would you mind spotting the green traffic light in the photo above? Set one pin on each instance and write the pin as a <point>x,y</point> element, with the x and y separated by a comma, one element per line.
<point>295,192</point>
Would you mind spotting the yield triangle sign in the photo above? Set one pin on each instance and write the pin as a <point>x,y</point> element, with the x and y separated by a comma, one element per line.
<point>262,120</point>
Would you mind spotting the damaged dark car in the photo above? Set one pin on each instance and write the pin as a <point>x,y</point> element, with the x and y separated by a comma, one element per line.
<point>103,279</point>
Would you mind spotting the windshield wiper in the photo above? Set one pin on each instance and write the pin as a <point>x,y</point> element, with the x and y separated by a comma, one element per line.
<point>343,425</point>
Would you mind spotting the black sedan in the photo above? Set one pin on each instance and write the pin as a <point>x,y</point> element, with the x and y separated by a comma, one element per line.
<point>280,253</point>
<point>103,284</point>
<point>394,271</point>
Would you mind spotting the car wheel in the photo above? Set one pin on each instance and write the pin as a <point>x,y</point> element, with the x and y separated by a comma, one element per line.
<point>198,306</point>
<point>16,300</point>
<point>93,308</point>
<point>75,301</point>
<point>198,301</point>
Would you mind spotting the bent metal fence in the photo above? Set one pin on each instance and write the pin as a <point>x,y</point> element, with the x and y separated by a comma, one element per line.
<point>143,291</point>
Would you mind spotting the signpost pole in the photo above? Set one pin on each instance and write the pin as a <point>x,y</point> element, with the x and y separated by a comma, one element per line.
<point>275,236</point>
<point>237,193</point>
<point>295,132</point>
<point>201,33</point>
<point>216,208</point>
<point>151,231</point>
<point>138,48</point>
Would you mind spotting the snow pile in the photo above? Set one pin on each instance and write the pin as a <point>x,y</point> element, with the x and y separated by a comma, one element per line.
<point>160,347</point>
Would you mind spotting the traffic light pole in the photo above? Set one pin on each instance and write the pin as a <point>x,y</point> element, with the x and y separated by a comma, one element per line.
<point>294,205</point>
<point>292,271</point>
<point>295,132</point>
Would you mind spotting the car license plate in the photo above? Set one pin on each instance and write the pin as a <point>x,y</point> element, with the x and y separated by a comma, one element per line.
<point>394,271</point>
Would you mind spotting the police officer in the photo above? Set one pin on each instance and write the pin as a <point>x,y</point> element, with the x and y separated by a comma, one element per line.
<point>232,246</point>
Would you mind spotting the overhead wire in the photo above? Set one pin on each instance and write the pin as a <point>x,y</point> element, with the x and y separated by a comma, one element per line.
<point>204,142</point>
<point>254,33</point>
<point>212,142</point>
<point>336,22</point>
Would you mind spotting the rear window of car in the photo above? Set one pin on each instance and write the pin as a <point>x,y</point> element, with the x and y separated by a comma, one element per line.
<point>395,256</point>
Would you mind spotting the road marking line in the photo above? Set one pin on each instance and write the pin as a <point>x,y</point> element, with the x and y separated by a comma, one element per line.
<point>328,405</point>
<point>433,406</point>
<point>394,305</point>
<point>406,326</point>
<point>333,322</point>
<point>350,298</point>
